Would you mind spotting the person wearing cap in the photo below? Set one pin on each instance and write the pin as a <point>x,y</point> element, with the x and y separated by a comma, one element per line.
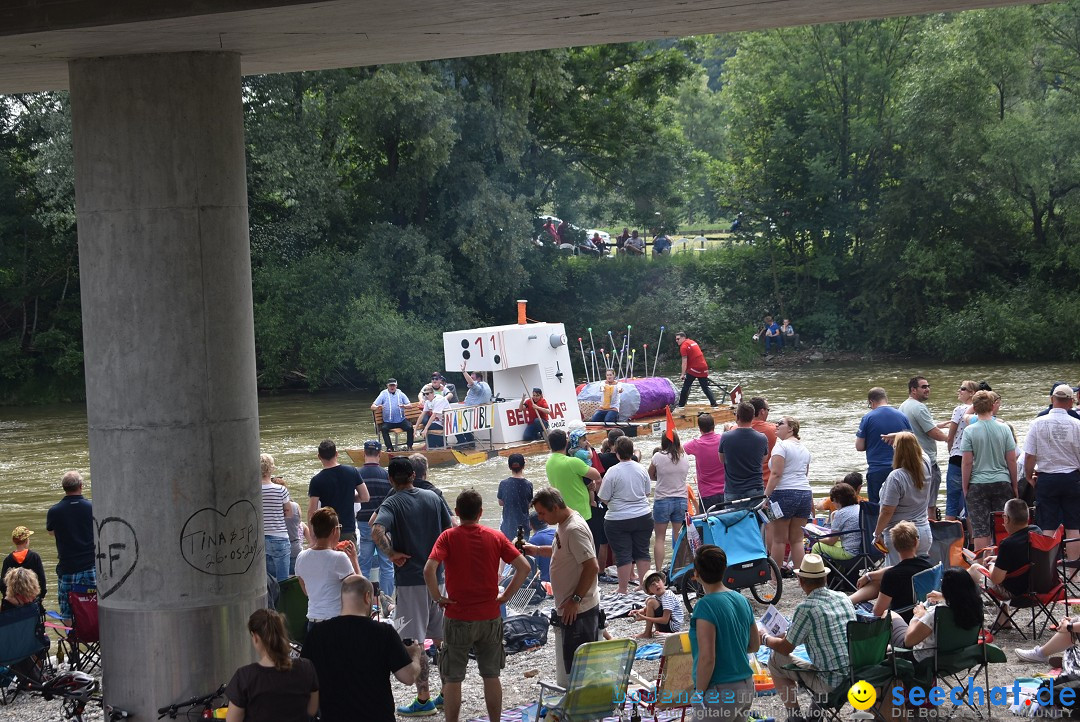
<point>662,611</point>
<point>23,557</point>
<point>443,388</point>
<point>71,523</point>
<point>820,622</point>
<point>1071,412</point>
<point>393,402</point>
<point>515,495</point>
<point>1053,445</point>
<point>537,413</point>
<point>378,485</point>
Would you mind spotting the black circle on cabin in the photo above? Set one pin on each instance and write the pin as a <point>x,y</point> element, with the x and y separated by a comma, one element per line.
<point>497,359</point>
<point>465,344</point>
<point>465,355</point>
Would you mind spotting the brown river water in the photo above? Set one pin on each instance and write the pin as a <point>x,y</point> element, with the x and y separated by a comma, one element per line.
<point>37,444</point>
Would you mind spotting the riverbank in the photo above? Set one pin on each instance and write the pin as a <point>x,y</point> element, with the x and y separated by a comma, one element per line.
<point>524,670</point>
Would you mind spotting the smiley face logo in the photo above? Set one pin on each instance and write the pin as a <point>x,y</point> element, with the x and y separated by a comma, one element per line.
<point>862,695</point>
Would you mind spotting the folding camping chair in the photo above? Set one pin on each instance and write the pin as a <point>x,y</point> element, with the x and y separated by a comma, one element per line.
<point>926,581</point>
<point>958,651</point>
<point>24,648</point>
<point>597,687</point>
<point>1045,587</point>
<point>947,544</point>
<point>997,527</point>
<point>674,685</point>
<point>867,641</point>
<point>846,572</point>
<point>292,603</point>
<point>530,593</point>
<point>82,644</point>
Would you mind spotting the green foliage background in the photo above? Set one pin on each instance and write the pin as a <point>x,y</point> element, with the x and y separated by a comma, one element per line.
<point>906,185</point>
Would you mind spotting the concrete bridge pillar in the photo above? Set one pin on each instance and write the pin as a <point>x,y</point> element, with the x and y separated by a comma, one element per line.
<point>165,272</point>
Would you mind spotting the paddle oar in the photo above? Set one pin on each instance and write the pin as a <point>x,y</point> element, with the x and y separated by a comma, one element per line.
<point>472,458</point>
<point>584,358</point>
<point>656,356</point>
<point>528,393</point>
<point>592,345</point>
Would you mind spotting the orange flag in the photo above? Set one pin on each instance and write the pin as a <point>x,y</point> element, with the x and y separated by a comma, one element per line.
<point>669,432</point>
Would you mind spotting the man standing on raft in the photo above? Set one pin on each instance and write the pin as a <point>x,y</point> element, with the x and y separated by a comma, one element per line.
<point>693,367</point>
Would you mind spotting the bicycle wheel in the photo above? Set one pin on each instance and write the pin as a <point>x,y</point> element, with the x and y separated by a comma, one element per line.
<point>691,591</point>
<point>768,592</point>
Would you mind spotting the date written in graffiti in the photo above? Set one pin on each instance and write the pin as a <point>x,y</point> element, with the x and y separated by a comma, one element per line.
<point>222,543</point>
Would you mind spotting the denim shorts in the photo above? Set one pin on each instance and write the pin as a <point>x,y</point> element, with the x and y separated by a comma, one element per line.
<point>794,503</point>
<point>669,509</point>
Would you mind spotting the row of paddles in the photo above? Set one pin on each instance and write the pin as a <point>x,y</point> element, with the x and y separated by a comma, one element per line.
<point>621,358</point>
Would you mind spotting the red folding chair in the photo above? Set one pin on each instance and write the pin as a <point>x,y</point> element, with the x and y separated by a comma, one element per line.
<point>82,645</point>
<point>1045,586</point>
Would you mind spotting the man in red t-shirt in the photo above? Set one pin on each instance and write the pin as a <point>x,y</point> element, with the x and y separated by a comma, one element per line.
<point>537,413</point>
<point>694,368</point>
<point>470,556</point>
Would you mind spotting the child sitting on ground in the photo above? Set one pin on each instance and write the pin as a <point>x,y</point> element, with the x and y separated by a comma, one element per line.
<point>844,519</point>
<point>663,612</point>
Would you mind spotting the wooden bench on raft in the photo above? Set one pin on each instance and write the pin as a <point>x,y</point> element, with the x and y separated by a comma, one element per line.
<point>412,414</point>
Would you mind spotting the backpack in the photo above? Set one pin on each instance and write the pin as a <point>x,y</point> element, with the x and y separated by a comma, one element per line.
<point>524,631</point>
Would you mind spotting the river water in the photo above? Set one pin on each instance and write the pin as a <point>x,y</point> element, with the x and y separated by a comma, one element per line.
<point>39,443</point>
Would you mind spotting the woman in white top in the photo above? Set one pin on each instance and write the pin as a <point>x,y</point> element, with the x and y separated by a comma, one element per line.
<point>789,488</point>
<point>276,506</point>
<point>610,392</point>
<point>628,522</point>
<point>668,469</point>
<point>434,406</point>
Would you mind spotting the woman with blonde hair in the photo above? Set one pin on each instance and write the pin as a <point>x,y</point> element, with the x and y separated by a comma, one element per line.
<point>789,489</point>
<point>954,488</point>
<point>277,688</point>
<point>905,495</point>
<point>21,587</point>
<point>276,506</point>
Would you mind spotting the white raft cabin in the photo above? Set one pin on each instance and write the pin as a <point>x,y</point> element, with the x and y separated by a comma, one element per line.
<point>516,358</point>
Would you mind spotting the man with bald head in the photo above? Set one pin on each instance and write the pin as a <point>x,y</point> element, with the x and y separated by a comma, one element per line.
<point>354,685</point>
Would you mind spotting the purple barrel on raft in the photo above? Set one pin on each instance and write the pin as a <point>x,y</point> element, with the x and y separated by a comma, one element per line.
<point>656,392</point>
<point>640,396</point>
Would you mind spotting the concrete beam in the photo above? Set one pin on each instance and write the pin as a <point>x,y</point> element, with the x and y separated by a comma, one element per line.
<point>38,38</point>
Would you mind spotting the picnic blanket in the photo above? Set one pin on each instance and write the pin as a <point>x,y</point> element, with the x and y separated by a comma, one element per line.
<point>615,606</point>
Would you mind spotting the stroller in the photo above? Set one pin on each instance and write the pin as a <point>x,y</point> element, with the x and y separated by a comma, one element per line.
<point>735,527</point>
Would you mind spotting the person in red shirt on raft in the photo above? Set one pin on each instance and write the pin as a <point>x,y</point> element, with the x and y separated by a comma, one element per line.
<point>693,368</point>
<point>537,413</point>
<point>470,556</point>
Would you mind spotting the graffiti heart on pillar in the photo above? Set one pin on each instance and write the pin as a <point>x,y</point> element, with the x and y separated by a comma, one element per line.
<point>117,553</point>
<point>222,544</point>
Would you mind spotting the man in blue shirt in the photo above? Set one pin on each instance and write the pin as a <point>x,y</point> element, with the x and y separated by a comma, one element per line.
<point>71,523</point>
<point>479,393</point>
<point>393,402</point>
<point>882,419</point>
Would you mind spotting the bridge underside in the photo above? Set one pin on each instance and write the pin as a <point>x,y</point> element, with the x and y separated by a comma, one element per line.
<point>39,37</point>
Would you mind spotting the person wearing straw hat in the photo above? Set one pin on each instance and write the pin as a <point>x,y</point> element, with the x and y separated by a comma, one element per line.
<point>24,557</point>
<point>820,622</point>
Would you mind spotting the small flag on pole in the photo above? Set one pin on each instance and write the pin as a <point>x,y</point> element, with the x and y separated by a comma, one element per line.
<point>669,432</point>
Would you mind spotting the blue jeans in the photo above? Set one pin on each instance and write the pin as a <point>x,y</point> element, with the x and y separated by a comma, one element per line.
<point>609,417</point>
<point>534,431</point>
<point>669,510</point>
<point>365,553</point>
<point>278,550</point>
<point>954,491</point>
<point>774,342</point>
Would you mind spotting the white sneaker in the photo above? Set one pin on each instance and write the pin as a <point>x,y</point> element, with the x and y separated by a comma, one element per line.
<point>1032,655</point>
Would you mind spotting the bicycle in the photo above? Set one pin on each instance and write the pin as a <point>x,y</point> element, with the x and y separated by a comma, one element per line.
<point>207,701</point>
<point>75,690</point>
